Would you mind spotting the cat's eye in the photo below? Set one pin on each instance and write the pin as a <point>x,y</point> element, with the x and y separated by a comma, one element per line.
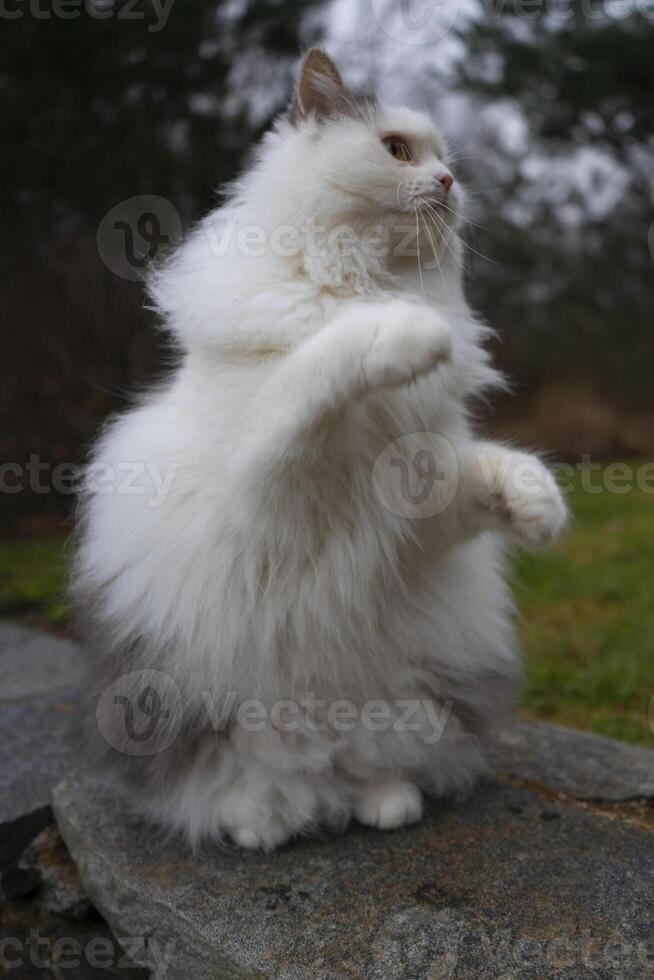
<point>397,149</point>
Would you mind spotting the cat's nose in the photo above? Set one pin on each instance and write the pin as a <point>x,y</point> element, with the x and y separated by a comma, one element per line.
<point>446,179</point>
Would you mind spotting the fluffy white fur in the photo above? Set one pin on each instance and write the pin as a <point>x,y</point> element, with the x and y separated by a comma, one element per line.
<point>272,567</point>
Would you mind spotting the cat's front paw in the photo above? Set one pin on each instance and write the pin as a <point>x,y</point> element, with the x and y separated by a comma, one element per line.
<point>408,340</point>
<point>522,497</point>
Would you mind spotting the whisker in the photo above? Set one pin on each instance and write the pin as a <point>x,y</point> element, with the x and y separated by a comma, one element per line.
<point>486,190</point>
<point>464,243</point>
<point>480,203</point>
<point>457,158</point>
<point>435,252</point>
<point>422,281</point>
<point>439,230</point>
<point>432,245</point>
<point>456,214</point>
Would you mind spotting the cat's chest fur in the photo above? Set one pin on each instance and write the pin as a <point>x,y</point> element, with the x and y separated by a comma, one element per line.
<point>344,527</point>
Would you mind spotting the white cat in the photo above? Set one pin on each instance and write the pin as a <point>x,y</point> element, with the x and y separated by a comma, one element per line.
<point>289,636</point>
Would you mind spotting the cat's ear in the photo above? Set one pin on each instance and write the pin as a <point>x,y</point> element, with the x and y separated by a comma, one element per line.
<point>320,89</point>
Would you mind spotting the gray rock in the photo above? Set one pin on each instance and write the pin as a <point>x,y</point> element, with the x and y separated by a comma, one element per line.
<point>510,884</point>
<point>35,664</point>
<point>582,764</point>
<point>40,681</point>
<point>60,888</point>
<point>513,883</point>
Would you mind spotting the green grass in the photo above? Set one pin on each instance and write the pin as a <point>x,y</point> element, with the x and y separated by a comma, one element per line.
<point>587,617</point>
<point>586,611</point>
<point>32,580</point>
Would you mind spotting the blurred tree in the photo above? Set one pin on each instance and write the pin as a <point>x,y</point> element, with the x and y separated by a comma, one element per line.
<point>103,101</point>
<point>100,109</point>
<point>573,291</point>
<point>100,102</point>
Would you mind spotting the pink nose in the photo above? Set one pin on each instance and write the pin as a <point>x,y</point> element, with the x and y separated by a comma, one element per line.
<point>446,180</point>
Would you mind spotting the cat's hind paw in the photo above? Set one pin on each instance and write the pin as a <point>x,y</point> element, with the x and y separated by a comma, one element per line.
<point>389,806</point>
<point>252,839</point>
<point>248,815</point>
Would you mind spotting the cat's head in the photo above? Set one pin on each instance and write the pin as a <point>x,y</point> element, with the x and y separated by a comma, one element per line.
<point>382,161</point>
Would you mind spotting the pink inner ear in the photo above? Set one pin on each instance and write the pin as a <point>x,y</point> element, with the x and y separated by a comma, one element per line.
<point>319,63</point>
<point>321,90</point>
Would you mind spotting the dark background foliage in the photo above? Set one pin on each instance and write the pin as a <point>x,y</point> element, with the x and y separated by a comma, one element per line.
<point>98,110</point>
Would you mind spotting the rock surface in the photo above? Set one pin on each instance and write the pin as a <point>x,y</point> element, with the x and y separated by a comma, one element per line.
<point>545,872</point>
<point>40,682</point>
<point>40,890</point>
<point>515,883</point>
<point>61,891</point>
<point>582,764</point>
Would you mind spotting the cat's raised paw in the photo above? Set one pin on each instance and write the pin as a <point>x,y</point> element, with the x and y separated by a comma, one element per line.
<point>537,520</point>
<point>389,806</point>
<point>522,495</point>
<point>409,340</point>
